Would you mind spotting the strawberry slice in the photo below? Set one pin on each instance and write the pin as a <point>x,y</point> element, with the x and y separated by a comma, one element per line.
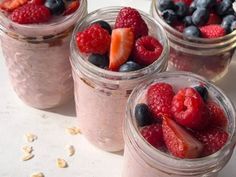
<point>72,7</point>
<point>10,5</point>
<point>178,141</point>
<point>122,40</point>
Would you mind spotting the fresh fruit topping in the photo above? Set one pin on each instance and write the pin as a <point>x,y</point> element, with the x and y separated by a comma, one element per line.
<point>187,21</point>
<point>166,4</point>
<point>104,25</point>
<point>179,26</point>
<point>39,2</point>
<point>100,61</point>
<point>213,19</point>
<point>200,16</point>
<point>178,141</point>
<point>129,66</point>
<point>153,134</point>
<point>192,7</point>
<point>233,26</point>
<point>181,9</point>
<point>192,31</point>
<point>130,18</point>
<point>217,115</point>
<point>187,2</point>
<point>56,7</point>
<point>159,97</point>
<point>189,109</point>
<point>94,39</point>
<point>72,7</point>
<point>142,115</point>
<point>205,3</point>
<point>213,140</point>
<point>227,21</point>
<point>169,16</point>
<point>202,91</point>
<point>223,7</point>
<point>122,40</point>
<point>147,50</point>
<point>212,31</point>
<point>10,5</point>
<point>31,13</point>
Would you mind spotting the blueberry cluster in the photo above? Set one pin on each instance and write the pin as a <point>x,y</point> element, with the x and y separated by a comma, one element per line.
<point>198,13</point>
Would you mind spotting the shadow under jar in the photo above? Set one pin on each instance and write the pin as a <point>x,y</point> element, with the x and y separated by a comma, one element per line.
<point>143,160</point>
<point>37,58</point>
<point>100,94</point>
<point>207,57</point>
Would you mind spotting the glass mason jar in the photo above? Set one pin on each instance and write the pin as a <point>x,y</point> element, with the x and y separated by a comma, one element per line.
<point>143,160</point>
<point>207,57</point>
<point>100,94</point>
<point>37,57</point>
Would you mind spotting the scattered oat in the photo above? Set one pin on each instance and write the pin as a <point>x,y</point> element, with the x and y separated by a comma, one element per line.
<point>61,163</point>
<point>27,156</point>
<point>73,130</point>
<point>37,174</point>
<point>70,150</point>
<point>27,149</point>
<point>30,137</point>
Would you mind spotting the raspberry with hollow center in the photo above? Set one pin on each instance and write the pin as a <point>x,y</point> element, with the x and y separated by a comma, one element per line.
<point>212,31</point>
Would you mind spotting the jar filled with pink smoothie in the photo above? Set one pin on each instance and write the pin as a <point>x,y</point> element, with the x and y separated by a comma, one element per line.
<point>35,38</point>
<point>191,132</point>
<point>105,71</point>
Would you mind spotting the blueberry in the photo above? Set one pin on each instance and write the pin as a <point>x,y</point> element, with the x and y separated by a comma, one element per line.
<point>104,25</point>
<point>207,4</point>
<point>100,61</point>
<point>181,9</point>
<point>223,7</point>
<point>200,16</point>
<point>166,4</point>
<point>56,7</point>
<point>227,21</point>
<point>192,7</point>
<point>192,31</point>
<point>202,91</point>
<point>233,26</point>
<point>129,66</point>
<point>187,21</point>
<point>169,16</point>
<point>142,114</point>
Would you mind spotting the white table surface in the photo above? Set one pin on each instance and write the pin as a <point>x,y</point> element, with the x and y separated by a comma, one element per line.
<point>16,119</point>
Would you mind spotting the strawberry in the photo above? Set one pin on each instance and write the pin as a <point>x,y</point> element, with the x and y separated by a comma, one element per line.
<point>213,19</point>
<point>159,97</point>
<point>217,115</point>
<point>213,139</point>
<point>153,134</point>
<point>122,40</point>
<point>31,13</point>
<point>72,7</point>
<point>212,31</point>
<point>10,5</point>
<point>130,18</point>
<point>188,2</point>
<point>178,141</point>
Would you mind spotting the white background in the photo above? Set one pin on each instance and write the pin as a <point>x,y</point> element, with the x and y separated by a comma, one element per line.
<point>16,119</point>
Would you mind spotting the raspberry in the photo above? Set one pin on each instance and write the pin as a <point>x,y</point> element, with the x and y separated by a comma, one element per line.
<point>159,97</point>
<point>179,26</point>
<point>153,134</point>
<point>213,19</point>
<point>213,139</point>
<point>212,31</point>
<point>31,13</point>
<point>94,39</point>
<point>147,50</point>
<point>130,18</point>
<point>189,109</point>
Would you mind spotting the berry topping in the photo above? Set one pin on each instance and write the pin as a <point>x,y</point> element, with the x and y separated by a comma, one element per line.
<point>169,16</point>
<point>104,25</point>
<point>39,2</point>
<point>130,18</point>
<point>147,50</point>
<point>153,134</point>
<point>192,31</point>
<point>212,31</point>
<point>178,141</point>
<point>129,66</point>
<point>187,2</point>
<point>200,16</point>
<point>159,97</point>
<point>142,115</point>
<point>213,19</point>
<point>122,40</point>
<point>56,7</point>
<point>227,21</point>
<point>166,4</point>
<point>213,140</point>
<point>179,26</point>
<point>223,7</point>
<point>181,9</point>
<point>202,91</point>
<point>72,7</point>
<point>101,61</point>
<point>189,109</point>
<point>31,13</point>
<point>87,43</point>
<point>233,26</point>
<point>10,5</point>
<point>187,21</point>
<point>205,3</point>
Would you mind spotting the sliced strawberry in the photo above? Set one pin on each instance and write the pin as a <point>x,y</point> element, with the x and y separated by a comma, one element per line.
<point>179,142</point>
<point>122,40</point>
<point>10,5</point>
<point>213,19</point>
<point>72,7</point>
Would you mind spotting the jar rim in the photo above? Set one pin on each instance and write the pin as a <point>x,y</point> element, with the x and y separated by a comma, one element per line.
<point>77,57</point>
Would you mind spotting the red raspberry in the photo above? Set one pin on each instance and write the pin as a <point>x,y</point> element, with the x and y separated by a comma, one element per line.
<point>189,109</point>
<point>147,50</point>
<point>212,31</point>
<point>188,2</point>
<point>130,18</point>
<point>217,115</point>
<point>153,134</point>
<point>94,39</point>
<point>159,97</point>
<point>213,139</point>
<point>179,26</point>
<point>31,13</point>
<point>213,19</point>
